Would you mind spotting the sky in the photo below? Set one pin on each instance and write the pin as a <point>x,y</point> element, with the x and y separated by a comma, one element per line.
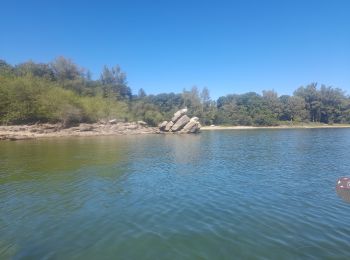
<point>166,46</point>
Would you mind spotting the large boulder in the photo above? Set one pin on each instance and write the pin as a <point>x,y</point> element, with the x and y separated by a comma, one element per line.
<point>188,126</point>
<point>180,123</point>
<point>162,125</point>
<point>179,114</point>
<point>168,126</point>
<point>192,126</point>
<point>195,128</point>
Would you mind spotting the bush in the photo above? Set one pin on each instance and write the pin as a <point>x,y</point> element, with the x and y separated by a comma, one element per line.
<point>29,99</point>
<point>153,117</point>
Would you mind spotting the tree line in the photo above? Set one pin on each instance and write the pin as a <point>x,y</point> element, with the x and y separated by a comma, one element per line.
<point>62,91</point>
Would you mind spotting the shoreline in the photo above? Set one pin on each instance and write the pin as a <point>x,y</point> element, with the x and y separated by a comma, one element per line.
<point>25,132</point>
<point>38,131</point>
<point>306,126</point>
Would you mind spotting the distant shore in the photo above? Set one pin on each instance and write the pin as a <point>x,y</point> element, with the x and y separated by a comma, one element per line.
<point>23,132</point>
<point>297,126</point>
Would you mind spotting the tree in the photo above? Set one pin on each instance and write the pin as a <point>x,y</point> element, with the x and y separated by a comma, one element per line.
<point>114,83</point>
<point>208,107</point>
<point>5,68</point>
<point>88,75</point>
<point>312,100</point>
<point>332,104</point>
<point>141,93</point>
<point>65,69</point>
<point>192,100</point>
<point>293,108</point>
<point>205,97</point>
<point>62,91</point>
<point>41,70</point>
<point>272,102</point>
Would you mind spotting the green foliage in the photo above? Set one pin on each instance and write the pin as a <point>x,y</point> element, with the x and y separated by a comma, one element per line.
<point>147,112</point>
<point>5,68</point>
<point>19,99</point>
<point>327,105</point>
<point>36,69</point>
<point>152,117</point>
<point>62,91</point>
<point>64,69</point>
<point>114,83</point>
<point>31,99</point>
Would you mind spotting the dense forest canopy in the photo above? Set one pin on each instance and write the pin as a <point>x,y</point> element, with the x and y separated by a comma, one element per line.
<point>62,91</point>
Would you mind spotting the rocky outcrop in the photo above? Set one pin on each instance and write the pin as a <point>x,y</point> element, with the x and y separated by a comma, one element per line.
<point>102,128</point>
<point>168,126</point>
<point>179,114</point>
<point>163,125</point>
<point>192,126</point>
<point>181,123</point>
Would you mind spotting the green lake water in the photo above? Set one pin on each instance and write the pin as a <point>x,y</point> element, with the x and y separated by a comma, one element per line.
<point>247,194</point>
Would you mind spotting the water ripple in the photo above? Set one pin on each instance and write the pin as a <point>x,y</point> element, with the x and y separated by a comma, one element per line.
<point>218,195</point>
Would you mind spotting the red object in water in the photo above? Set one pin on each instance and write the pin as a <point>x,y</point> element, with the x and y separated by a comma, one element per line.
<point>343,188</point>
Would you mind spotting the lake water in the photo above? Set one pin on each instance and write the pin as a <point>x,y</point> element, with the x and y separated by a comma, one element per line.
<point>217,195</point>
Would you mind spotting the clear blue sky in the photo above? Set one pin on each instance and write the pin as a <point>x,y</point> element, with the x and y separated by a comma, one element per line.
<point>165,46</point>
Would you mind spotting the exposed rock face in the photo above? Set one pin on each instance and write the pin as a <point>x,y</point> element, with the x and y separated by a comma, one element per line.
<point>162,125</point>
<point>168,126</point>
<point>192,126</point>
<point>180,122</point>
<point>57,130</point>
<point>179,114</point>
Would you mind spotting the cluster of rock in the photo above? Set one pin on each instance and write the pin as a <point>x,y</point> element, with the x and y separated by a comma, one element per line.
<point>180,122</point>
